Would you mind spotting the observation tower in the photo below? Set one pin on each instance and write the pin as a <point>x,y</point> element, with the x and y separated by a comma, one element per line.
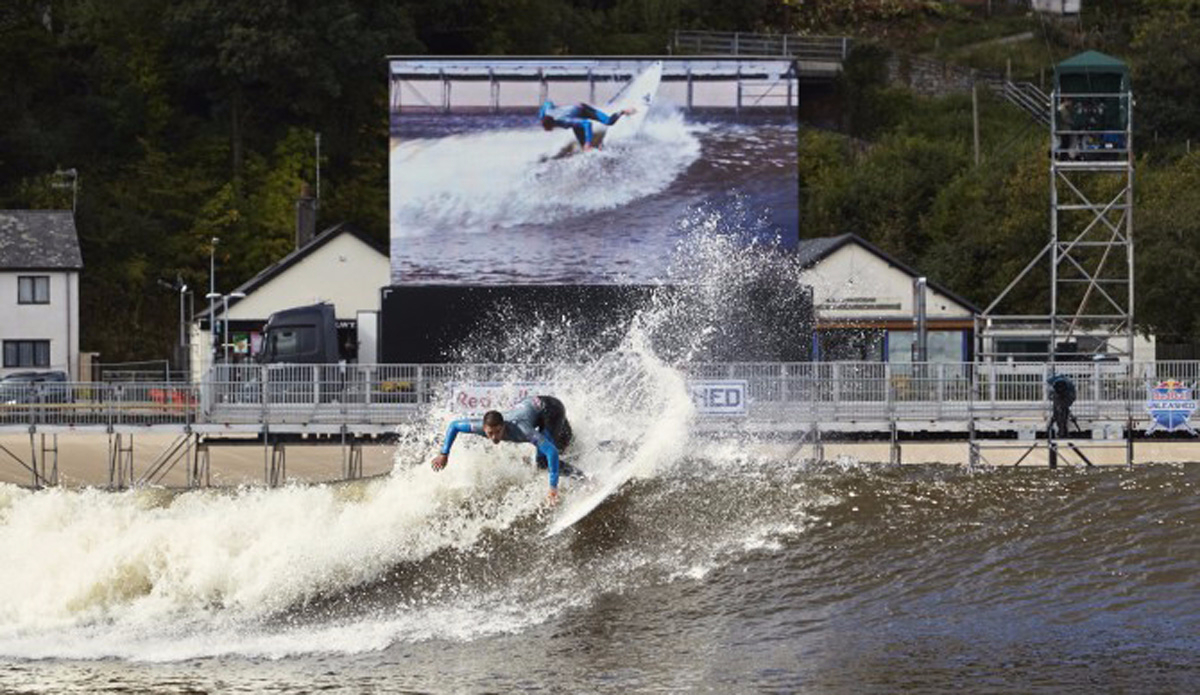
<point>1088,257</point>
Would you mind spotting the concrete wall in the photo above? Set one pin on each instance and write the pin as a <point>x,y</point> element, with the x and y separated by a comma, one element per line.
<point>929,77</point>
<point>57,321</point>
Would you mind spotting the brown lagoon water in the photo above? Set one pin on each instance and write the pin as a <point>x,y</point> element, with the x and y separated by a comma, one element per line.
<point>726,575</point>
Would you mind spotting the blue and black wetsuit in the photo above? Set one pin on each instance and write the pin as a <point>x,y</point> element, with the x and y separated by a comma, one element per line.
<point>540,421</point>
<point>578,118</point>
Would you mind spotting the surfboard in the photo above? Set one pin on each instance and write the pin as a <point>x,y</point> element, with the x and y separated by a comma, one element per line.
<point>638,95</point>
<point>593,492</point>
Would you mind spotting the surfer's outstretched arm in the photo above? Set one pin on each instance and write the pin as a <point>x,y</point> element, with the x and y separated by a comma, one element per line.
<point>439,461</point>
<point>550,451</point>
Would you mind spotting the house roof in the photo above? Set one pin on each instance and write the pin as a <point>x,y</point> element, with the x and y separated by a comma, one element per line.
<point>810,252</point>
<point>39,240</point>
<point>283,264</point>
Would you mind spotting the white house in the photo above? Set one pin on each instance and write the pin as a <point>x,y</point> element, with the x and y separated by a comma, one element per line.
<point>866,305</point>
<point>1058,7</point>
<point>39,291</point>
<point>341,266</point>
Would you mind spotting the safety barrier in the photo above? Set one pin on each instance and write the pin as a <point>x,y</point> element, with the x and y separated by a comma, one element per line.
<point>391,394</point>
<point>99,404</point>
<point>832,49</point>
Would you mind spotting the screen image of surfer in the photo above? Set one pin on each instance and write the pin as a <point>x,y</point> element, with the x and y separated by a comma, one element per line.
<point>583,171</point>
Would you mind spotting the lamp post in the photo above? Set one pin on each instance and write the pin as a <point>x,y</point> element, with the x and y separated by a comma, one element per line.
<point>181,287</point>
<point>183,351</point>
<point>212,296</point>
<point>182,316</point>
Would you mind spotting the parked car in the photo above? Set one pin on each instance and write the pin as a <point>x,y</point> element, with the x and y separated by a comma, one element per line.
<point>35,387</point>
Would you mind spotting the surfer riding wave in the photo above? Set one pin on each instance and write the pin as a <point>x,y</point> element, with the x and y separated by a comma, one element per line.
<point>579,119</point>
<point>540,421</point>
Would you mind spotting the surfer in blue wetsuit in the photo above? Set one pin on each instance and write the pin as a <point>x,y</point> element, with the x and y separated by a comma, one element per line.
<point>578,118</point>
<point>540,421</point>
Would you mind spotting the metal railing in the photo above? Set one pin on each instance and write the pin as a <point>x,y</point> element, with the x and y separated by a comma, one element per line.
<point>1024,95</point>
<point>110,404</point>
<point>832,49</point>
<point>792,392</point>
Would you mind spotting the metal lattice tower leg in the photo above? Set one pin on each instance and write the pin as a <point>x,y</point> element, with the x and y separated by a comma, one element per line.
<point>1089,254</point>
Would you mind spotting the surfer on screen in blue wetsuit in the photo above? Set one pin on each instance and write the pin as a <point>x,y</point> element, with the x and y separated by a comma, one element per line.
<point>578,118</point>
<point>540,421</point>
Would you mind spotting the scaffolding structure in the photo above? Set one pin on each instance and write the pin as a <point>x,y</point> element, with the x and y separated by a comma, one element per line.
<point>1088,258</point>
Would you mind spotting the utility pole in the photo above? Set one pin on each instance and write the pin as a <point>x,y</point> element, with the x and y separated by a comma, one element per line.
<point>975,118</point>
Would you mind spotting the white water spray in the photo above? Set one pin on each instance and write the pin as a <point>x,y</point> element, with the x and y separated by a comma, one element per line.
<point>149,575</point>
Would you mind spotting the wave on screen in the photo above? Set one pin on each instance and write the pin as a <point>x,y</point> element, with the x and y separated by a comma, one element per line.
<point>483,182</point>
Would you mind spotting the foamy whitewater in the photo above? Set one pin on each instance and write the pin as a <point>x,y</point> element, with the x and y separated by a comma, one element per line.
<point>150,575</point>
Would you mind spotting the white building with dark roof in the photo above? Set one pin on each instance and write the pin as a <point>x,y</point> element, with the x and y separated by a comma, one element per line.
<point>341,266</point>
<point>40,263</point>
<point>866,303</point>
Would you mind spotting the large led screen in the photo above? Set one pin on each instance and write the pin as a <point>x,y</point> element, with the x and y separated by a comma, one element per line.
<point>583,171</point>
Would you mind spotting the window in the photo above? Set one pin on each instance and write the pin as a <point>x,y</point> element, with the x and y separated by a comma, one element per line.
<point>845,345</point>
<point>27,353</point>
<point>291,341</point>
<point>33,289</point>
<point>942,346</point>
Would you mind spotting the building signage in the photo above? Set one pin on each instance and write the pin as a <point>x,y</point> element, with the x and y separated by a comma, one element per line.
<point>474,398</point>
<point>1170,404</point>
<point>860,304</point>
<point>719,397</point>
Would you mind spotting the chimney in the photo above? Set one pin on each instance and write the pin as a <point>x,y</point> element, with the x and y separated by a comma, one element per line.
<point>306,217</point>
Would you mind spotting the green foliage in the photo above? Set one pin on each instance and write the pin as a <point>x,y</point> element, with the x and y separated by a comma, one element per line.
<point>887,194</point>
<point>835,14</point>
<point>1167,263</point>
<point>1028,60</point>
<point>868,106</point>
<point>1167,45</point>
<point>988,223</point>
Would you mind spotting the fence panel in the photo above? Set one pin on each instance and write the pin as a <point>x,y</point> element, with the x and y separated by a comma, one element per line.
<point>386,394</point>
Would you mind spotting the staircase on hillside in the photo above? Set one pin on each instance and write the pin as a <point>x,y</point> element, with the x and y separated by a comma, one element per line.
<point>1024,95</point>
